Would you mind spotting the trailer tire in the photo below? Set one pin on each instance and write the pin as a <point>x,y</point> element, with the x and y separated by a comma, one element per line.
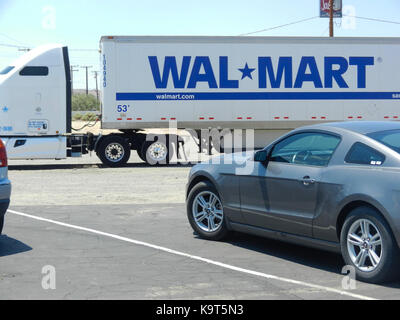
<point>155,152</point>
<point>114,151</point>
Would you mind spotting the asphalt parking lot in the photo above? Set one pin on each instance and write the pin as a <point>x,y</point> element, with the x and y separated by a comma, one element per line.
<point>123,234</point>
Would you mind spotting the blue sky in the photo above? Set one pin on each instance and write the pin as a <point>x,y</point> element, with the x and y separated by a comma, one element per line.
<point>80,24</point>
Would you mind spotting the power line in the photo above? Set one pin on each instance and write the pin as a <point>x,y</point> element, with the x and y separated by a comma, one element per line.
<point>280,26</point>
<point>12,46</point>
<point>311,18</point>
<point>8,45</point>
<point>373,19</point>
<point>89,50</point>
<point>12,39</point>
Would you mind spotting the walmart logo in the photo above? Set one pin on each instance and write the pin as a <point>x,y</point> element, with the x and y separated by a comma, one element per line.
<point>278,73</point>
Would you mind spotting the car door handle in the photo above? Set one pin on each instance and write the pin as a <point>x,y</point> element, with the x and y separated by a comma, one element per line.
<point>307,181</point>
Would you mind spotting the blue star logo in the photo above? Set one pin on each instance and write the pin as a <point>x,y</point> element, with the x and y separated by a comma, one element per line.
<point>5,109</point>
<point>246,72</point>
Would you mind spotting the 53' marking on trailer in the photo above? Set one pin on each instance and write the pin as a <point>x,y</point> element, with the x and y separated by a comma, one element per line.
<point>123,107</point>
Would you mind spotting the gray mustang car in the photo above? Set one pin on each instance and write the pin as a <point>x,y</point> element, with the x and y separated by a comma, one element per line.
<point>332,186</point>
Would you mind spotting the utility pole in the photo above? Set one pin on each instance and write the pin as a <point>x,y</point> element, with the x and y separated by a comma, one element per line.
<point>331,18</point>
<point>87,79</point>
<point>96,74</point>
<point>72,76</point>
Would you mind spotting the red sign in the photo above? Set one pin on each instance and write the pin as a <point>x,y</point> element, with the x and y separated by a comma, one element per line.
<point>325,8</point>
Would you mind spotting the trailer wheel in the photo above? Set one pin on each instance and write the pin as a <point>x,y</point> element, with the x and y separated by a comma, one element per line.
<point>114,151</point>
<point>155,152</point>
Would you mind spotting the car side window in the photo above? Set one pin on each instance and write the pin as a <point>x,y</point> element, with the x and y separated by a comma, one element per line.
<point>307,148</point>
<point>360,153</point>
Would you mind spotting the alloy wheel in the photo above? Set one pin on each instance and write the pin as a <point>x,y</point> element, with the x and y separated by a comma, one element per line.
<point>207,211</point>
<point>364,245</point>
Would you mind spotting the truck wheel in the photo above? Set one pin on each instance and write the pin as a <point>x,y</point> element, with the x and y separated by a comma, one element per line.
<point>114,151</point>
<point>368,245</point>
<point>155,152</point>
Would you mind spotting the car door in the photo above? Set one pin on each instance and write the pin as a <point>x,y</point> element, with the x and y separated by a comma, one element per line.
<point>282,194</point>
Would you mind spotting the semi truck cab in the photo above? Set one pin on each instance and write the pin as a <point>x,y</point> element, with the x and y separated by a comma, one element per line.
<point>36,115</point>
<point>35,104</point>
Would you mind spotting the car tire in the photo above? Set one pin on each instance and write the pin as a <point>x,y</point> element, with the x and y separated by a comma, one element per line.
<point>1,224</point>
<point>155,152</point>
<point>213,225</point>
<point>114,151</point>
<point>374,261</point>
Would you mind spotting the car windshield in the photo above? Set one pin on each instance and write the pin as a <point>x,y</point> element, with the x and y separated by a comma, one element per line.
<point>390,138</point>
<point>6,70</point>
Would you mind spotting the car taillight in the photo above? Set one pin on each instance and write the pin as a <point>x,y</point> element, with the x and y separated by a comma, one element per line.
<point>3,155</point>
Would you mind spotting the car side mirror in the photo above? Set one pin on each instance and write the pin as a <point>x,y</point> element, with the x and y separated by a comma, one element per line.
<point>262,156</point>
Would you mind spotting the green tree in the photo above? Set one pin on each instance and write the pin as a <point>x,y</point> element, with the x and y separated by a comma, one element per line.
<point>83,102</point>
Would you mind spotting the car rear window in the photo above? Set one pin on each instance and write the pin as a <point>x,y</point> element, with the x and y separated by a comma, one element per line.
<point>362,154</point>
<point>390,138</point>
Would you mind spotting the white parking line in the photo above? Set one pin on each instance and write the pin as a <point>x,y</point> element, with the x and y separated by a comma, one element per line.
<point>198,258</point>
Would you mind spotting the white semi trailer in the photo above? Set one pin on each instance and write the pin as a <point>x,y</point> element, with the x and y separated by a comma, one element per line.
<point>267,84</point>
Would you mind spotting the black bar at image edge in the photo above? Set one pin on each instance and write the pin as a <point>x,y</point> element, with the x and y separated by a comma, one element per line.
<point>185,309</point>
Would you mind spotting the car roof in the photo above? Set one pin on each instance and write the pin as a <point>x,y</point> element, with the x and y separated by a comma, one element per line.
<point>362,127</point>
